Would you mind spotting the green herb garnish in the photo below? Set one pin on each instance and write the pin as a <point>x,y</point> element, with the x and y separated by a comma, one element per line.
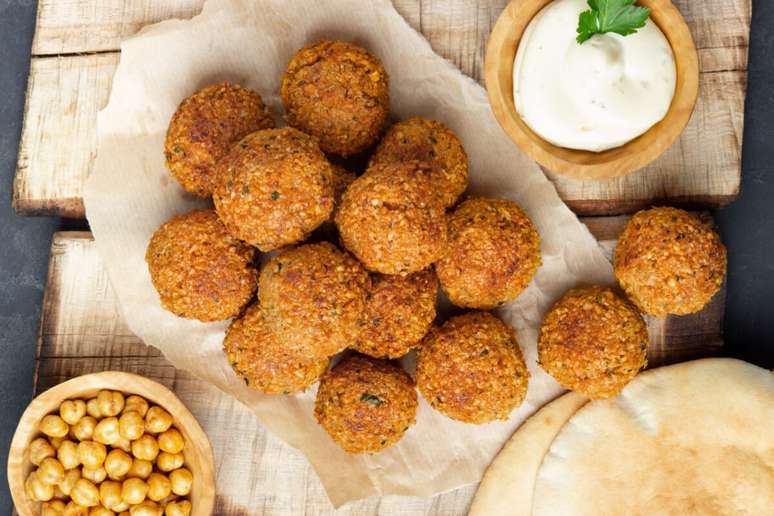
<point>370,398</point>
<point>618,16</point>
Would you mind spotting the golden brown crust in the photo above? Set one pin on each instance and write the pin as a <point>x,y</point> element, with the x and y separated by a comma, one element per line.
<point>275,187</point>
<point>313,296</point>
<point>493,253</point>
<point>593,342</point>
<point>337,92</point>
<point>204,128</point>
<point>199,270</point>
<point>365,404</point>
<point>471,369</point>
<point>432,142</point>
<point>669,262</point>
<point>266,363</point>
<point>392,219</point>
<point>398,313</point>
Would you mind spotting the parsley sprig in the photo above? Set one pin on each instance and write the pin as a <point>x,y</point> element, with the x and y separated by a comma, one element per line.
<point>618,16</point>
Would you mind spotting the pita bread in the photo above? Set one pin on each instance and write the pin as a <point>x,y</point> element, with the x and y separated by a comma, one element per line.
<point>694,438</point>
<point>507,486</point>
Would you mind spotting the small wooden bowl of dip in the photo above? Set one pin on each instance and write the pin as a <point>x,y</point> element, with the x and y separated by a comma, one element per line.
<point>498,71</point>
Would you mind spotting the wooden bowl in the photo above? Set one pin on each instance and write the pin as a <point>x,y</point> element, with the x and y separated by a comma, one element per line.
<point>197,451</point>
<point>498,70</point>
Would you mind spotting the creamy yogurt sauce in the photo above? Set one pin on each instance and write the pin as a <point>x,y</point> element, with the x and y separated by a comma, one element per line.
<point>595,96</point>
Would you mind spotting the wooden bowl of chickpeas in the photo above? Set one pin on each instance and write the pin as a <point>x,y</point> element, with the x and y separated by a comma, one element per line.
<point>110,443</point>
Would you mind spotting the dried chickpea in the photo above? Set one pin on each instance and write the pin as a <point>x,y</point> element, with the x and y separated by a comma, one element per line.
<point>157,420</point>
<point>133,490</point>
<point>40,449</point>
<point>73,509</point>
<point>159,487</point>
<point>145,448</point>
<point>54,426</point>
<point>171,441</point>
<point>121,507</point>
<point>166,462</point>
<point>92,408</point>
<point>123,444</point>
<point>146,508</point>
<point>52,508</point>
<point>131,425</point>
<point>110,494</point>
<point>71,476</point>
<point>50,471</point>
<point>57,441</point>
<point>37,490</point>
<point>95,475</point>
<point>100,511</point>
<point>110,403</point>
<point>140,469</point>
<point>59,494</point>
<point>106,431</point>
<point>137,404</point>
<point>181,508</point>
<point>181,480</point>
<point>67,454</point>
<point>91,454</point>
<point>85,493</point>
<point>117,464</point>
<point>83,430</point>
<point>72,411</point>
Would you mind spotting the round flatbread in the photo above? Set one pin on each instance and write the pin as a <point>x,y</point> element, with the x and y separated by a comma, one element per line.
<point>693,438</point>
<point>506,489</point>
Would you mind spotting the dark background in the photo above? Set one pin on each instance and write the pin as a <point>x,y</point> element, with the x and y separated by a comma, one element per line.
<point>747,226</point>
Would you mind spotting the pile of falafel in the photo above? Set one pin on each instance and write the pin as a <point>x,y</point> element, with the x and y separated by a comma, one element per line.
<point>355,261</point>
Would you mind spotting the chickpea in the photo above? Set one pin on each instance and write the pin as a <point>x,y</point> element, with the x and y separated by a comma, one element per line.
<point>121,507</point>
<point>100,511</point>
<point>145,448</point>
<point>123,444</point>
<point>54,426</point>
<point>92,408</point>
<point>83,430</point>
<point>37,490</point>
<point>71,476</point>
<point>68,454</point>
<point>140,469</point>
<point>157,420</point>
<point>117,464</point>
<point>72,411</point>
<point>181,508</point>
<point>137,404</point>
<point>110,494</point>
<point>166,462</point>
<point>57,441</point>
<point>59,494</point>
<point>133,490</point>
<point>106,431</point>
<point>91,454</point>
<point>95,475</point>
<point>110,403</point>
<point>159,487</point>
<point>146,508</point>
<point>50,471</point>
<point>85,493</point>
<point>181,480</point>
<point>40,449</point>
<point>73,509</point>
<point>171,441</point>
<point>131,425</point>
<point>52,508</point>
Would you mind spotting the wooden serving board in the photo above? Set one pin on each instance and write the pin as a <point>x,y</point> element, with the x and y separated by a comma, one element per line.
<point>76,51</point>
<point>82,331</point>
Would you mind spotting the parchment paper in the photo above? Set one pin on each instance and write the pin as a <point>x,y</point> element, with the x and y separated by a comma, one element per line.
<point>129,194</point>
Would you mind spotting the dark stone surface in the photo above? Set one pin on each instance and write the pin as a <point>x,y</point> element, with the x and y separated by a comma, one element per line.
<point>747,226</point>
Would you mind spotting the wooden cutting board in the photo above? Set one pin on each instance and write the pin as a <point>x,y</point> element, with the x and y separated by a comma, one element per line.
<point>82,331</point>
<point>76,51</point>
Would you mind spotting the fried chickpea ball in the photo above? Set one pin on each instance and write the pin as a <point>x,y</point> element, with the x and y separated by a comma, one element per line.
<point>399,312</point>
<point>493,253</point>
<point>204,128</point>
<point>337,92</point>
<point>593,342</point>
<point>265,362</point>
<point>471,369</point>
<point>313,297</point>
<point>275,187</point>
<point>432,142</point>
<point>392,218</point>
<point>365,404</point>
<point>199,270</point>
<point>669,262</point>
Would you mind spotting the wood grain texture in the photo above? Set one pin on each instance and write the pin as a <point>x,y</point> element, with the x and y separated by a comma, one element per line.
<point>701,170</point>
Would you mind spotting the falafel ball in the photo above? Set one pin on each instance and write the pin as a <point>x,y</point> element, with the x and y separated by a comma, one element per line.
<point>199,270</point>
<point>314,296</point>
<point>392,218</point>
<point>337,92</point>
<point>431,141</point>
<point>398,313</point>
<point>471,369</point>
<point>593,342</point>
<point>669,262</point>
<point>204,128</point>
<point>266,363</point>
<point>365,404</point>
<point>493,253</point>
<point>275,187</point>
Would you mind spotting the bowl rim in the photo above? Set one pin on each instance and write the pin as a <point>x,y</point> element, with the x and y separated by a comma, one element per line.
<point>128,384</point>
<point>501,51</point>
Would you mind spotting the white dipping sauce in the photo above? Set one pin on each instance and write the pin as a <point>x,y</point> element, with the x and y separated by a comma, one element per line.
<point>595,96</point>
